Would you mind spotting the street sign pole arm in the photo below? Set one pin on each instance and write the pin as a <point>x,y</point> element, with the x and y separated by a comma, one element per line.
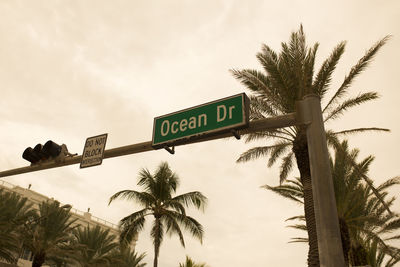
<point>42,166</point>
<point>254,126</point>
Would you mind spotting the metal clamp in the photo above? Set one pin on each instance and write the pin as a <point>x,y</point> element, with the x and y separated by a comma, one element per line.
<point>170,150</point>
<point>235,134</point>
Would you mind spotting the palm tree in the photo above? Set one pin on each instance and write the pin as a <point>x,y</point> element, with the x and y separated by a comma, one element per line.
<point>363,218</point>
<point>50,232</point>
<point>14,212</point>
<point>157,200</point>
<point>94,246</point>
<point>289,76</point>
<point>125,257</point>
<point>190,263</point>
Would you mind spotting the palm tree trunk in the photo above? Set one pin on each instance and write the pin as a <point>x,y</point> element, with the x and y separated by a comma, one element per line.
<point>157,242</point>
<point>345,236</point>
<point>300,149</point>
<point>358,255</point>
<point>156,250</point>
<point>38,259</point>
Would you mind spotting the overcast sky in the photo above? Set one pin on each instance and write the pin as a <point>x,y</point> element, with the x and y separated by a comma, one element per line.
<point>74,69</point>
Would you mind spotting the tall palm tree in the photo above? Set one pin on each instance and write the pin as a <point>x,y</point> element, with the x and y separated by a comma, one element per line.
<point>363,219</point>
<point>158,201</point>
<point>190,263</point>
<point>14,212</point>
<point>94,246</point>
<point>288,77</point>
<point>50,232</point>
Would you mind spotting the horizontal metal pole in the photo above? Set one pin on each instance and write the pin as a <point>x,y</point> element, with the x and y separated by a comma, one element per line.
<point>254,126</point>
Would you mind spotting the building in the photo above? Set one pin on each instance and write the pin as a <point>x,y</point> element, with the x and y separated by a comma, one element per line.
<point>83,218</point>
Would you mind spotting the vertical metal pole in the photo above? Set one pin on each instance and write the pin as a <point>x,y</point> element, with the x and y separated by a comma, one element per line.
<point>328,231</point>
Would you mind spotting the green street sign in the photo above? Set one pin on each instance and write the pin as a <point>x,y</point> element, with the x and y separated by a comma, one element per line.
<point>197,122</point>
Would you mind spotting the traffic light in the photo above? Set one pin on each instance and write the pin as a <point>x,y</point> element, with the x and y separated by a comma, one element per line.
<point>49,152</point>
<point>51,149</point>
<point>31,155</point>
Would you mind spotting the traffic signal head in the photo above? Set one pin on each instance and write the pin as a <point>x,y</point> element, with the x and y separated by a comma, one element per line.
<point>31,155</point>
<point>51,149</point>
<point>38,150</point>
<point>40,153</point>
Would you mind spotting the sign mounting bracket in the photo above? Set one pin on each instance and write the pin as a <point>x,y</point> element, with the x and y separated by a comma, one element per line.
<point>170,150</point>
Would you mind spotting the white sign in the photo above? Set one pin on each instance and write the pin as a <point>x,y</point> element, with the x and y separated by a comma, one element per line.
<point>93,152</point>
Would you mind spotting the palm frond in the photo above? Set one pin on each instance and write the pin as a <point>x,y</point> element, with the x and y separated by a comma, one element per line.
<point>166,181</point>
<point>9,247</point>
<point>332,139</point>
<point>146,180</point>
<point>302,227</point>
<point>371,235</point>
<point>371,186</point>
<point>259,107</point>
<point>255,153</point>
<point>286,167</point>
<point>296,58</point>
<point>195,198</point>
<point>393,237</point>
<point>279,148</point>
<point>173,227</point>
<point>190,263</point>
<point>133,217</point>
<point>15,211</point>
<point>299,240</point>
<point>389,183</point>
<point>94,245</point>
<point>391,225</point>
<point>309,68</point>
<point>144,198</point>
<point>131,229</point>
<point>356,70</point>
<point>287,191</point>
<point>360,130</point>
<point>324,76</point>
<point>265,135</point>
<point>300,217</point>
<point>270,62</point>
<point>260,84</point>
<point>349,103</point>
<point>254,80</point>
<point>175,205</point>
<point>190,224</point>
